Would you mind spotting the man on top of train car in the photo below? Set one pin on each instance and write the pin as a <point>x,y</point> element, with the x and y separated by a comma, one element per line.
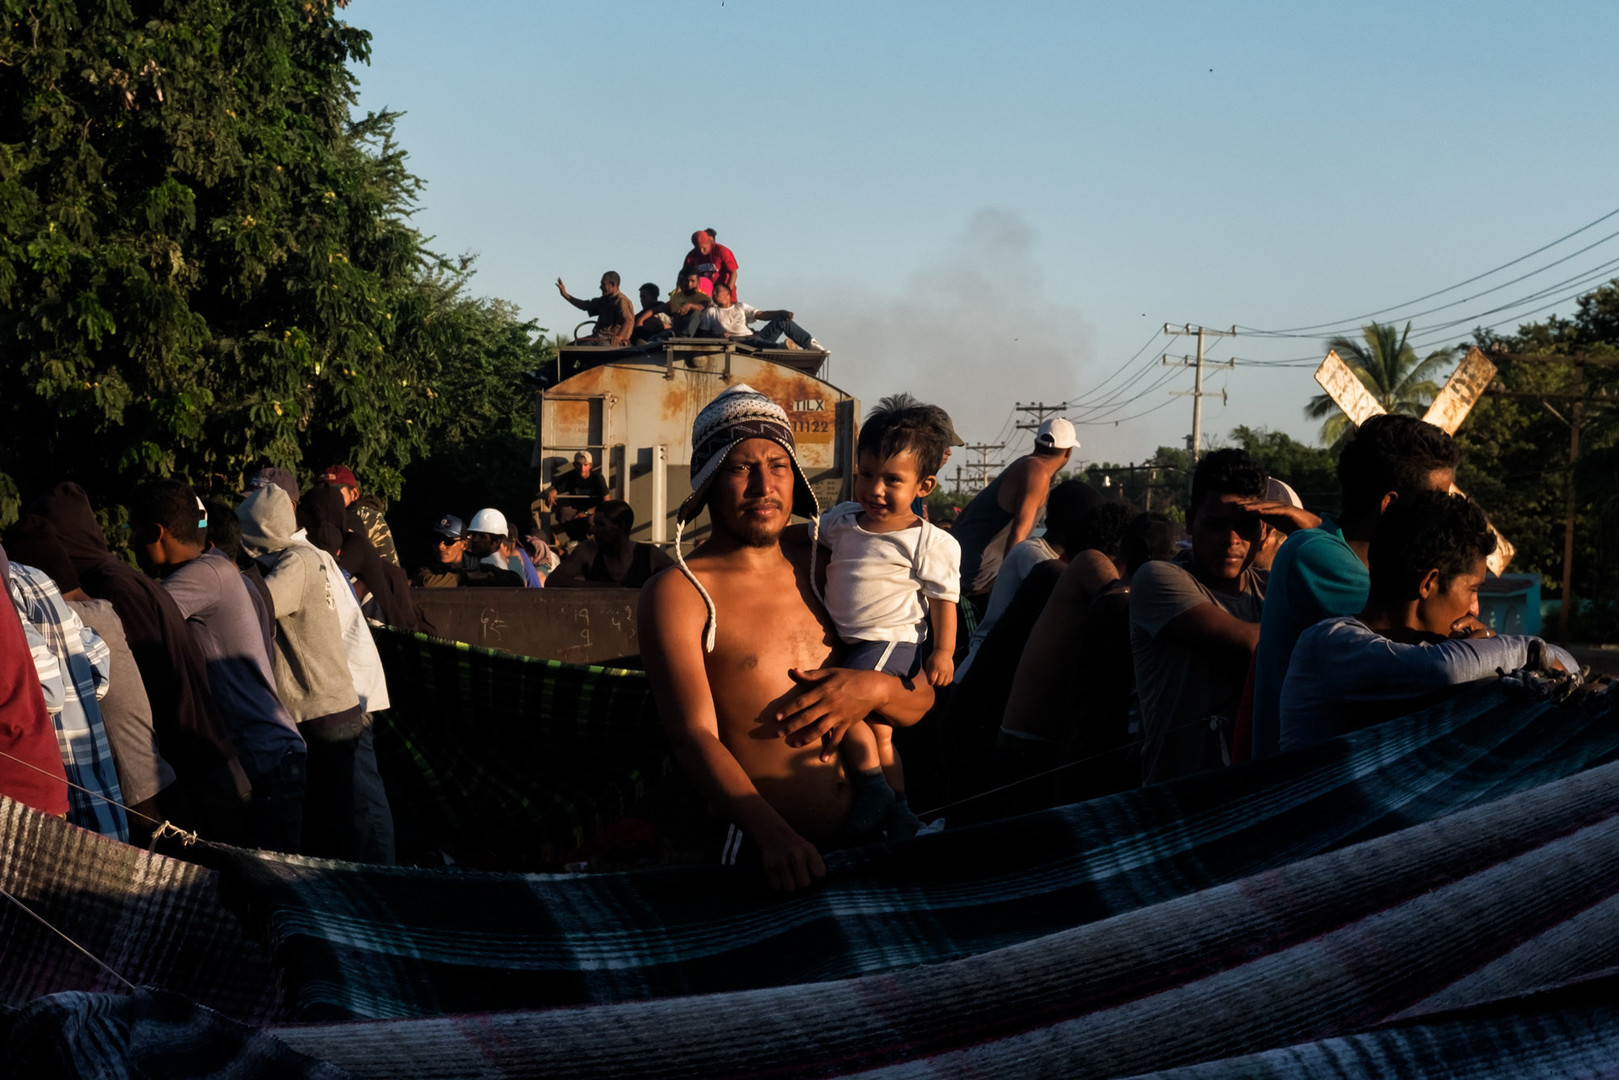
<point>730,318</point>
<point>739,652</point>
<point>612,310</point>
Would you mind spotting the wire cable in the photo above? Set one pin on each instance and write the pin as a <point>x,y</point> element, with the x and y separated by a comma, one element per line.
<point>1315,329</point>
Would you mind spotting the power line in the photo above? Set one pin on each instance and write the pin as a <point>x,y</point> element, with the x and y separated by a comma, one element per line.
<point>1317,328</point>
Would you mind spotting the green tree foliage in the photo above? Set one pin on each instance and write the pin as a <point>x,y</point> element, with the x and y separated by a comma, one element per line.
<point>1309,470</point>
<point>1515,449</point>
<point>206,263</point>
<point>1389,367</point>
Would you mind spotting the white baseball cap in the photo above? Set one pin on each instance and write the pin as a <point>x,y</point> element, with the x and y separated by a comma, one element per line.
<point>1056,433</point>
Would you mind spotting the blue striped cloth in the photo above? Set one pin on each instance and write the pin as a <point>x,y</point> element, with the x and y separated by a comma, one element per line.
<point>73,664</point>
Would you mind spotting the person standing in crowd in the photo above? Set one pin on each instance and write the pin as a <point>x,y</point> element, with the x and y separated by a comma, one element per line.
<point>126,712</point>
<point>612,310</point>
<point>73,664</point>
<point>1067,501</point>
<point>366,833</point>
<point>1194,622</point>
<point>31,770</point>
<point>712,261</point>
<point>212,793</point>
<point>720,684</point>
<point>446,563</point>
<point>1321,573</point>
<point>171,541</point>
<point>486,536</point>
<point>311,665</point>
<point>1417,639</point>
<point>365,509</point>
<point>609,556</point>
<point>1002,516</point>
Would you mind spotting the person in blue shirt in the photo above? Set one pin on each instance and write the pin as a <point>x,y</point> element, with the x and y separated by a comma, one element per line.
<point>1418,639</point>
<point>1321,573</point>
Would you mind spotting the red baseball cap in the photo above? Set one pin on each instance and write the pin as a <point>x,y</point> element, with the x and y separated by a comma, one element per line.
<point>338,474</point>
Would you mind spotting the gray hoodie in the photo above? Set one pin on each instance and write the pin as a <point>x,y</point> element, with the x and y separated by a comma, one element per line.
<point>311,664</point>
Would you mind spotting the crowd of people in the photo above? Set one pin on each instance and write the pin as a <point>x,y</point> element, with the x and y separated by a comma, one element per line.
<point>228,686</point>
<point>702,304</point>
<point>1115,649</point>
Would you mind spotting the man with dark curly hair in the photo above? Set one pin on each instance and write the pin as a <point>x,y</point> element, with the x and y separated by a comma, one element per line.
<point>1194,622</point>
<point>1321,573</point>
<point>1417,639</point>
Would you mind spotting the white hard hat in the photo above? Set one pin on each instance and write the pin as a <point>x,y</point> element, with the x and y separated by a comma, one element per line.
<point>488,521</point>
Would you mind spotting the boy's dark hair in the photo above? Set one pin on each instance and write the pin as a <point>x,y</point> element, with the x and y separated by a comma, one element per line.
<point>224,528</point>
<point>1149,537</point>
<point>1227,472</point>
<point>1101,528</point>
<point>913,428</point>
<point>1428,530</point>
<point>620,513</point>
<point>174,506</point>
<point>650,287</point>
<point>1392,453</point>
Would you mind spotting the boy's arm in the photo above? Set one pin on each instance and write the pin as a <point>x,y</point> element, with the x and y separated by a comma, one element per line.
<point>670,622</point>
<point>941,667</point>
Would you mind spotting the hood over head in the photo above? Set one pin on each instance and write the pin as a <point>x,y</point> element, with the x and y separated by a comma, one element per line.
<point>67,507</point>
<point>268,520</point>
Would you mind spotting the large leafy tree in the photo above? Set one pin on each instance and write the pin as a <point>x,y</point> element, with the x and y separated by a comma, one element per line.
<point>206,263</point>
<point>1385,362</point>
<point>1515,446</point>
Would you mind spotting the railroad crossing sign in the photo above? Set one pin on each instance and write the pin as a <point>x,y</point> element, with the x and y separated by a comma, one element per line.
<point>1450,407</point>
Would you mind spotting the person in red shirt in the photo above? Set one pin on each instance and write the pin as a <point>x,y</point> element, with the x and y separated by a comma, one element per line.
<point>713,261</point>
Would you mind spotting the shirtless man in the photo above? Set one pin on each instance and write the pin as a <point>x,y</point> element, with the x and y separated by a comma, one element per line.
<point>739,651</point>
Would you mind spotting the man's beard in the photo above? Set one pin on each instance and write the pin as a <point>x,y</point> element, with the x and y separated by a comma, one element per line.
<point>752,532</point>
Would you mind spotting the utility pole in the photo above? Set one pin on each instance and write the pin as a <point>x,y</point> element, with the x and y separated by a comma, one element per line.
<point>1575,396</point>
<point>1196,393</point>
<point>983,467</point>
<point>1040,410</point>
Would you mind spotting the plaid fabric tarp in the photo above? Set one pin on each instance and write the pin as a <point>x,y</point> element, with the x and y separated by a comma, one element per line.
<point>1379,889</point>
<point>367,942</point>
<point>154,920</point>
<point>1476,907</point>
<point>147,1034</point>
<point>505,761</point>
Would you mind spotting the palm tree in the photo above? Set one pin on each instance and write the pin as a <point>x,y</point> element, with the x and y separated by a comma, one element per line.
<point>1389,367</point>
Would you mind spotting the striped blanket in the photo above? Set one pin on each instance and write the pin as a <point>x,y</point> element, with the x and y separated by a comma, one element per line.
<point>509,762</point>
<point>1388,897</point>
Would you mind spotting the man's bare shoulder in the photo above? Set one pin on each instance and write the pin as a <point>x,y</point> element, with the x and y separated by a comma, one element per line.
<point>669,597</point>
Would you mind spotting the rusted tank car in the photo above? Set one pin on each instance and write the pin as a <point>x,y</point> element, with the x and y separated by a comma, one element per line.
<point>633,410</point>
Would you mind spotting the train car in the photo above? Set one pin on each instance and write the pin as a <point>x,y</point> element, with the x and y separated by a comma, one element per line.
<point>633,408</point>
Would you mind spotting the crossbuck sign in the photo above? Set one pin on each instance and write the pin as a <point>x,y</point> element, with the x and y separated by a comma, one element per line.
<point>1450,407</point>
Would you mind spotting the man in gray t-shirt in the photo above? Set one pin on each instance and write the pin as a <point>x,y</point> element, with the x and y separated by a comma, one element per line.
<point>1194,623</point>
<point>168,525</point>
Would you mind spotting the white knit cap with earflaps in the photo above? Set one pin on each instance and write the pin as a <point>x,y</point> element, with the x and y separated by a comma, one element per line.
<point>736,415</point>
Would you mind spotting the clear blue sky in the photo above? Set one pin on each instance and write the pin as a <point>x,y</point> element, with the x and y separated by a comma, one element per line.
<point>990,203</point>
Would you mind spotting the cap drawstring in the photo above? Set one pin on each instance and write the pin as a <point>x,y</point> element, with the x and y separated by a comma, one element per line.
<point>711,624</point>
